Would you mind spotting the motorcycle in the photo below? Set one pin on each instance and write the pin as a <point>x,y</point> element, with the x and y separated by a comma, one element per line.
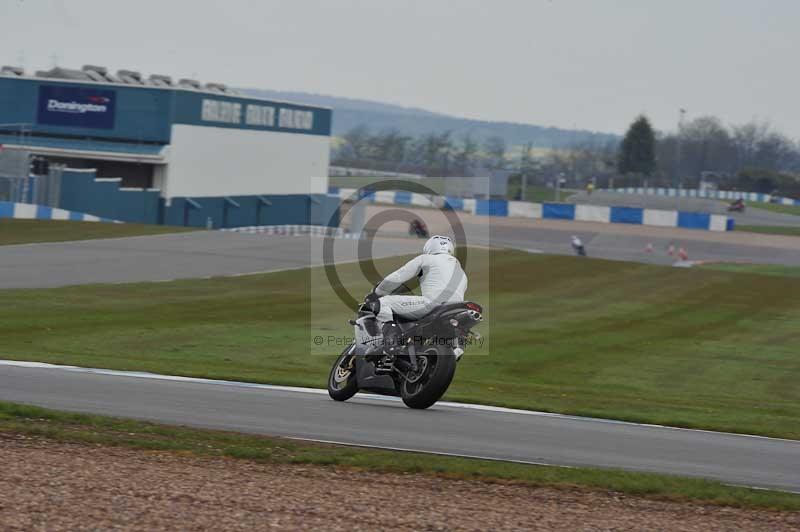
<point>736,206</point>
<point>424,364</point>
<point>418,228</point>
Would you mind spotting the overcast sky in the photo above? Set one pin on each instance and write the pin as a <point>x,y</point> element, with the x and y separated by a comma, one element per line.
<point>567,63</point>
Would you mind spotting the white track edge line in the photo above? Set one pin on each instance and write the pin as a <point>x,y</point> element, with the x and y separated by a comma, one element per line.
<point>523,462</point>
<point>322,391</point>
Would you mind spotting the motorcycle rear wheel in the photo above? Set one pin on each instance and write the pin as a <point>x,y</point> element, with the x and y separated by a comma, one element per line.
<point>437,366</point>
<point>342,384</point>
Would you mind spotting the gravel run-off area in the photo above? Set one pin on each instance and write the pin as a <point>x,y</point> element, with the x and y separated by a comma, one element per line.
<point>48,485</point>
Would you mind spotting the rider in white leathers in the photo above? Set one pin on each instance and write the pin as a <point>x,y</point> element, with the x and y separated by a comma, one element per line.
<point>442,281</point>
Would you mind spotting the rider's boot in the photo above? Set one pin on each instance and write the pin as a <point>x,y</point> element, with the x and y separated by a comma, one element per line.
<point>391,342</point>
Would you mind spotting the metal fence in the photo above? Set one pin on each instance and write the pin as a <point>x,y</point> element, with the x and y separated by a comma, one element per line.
<point>39,190</point>
<point>19,186</point>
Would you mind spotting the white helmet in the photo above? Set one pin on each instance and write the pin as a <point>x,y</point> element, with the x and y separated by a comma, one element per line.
<point>438,244</point>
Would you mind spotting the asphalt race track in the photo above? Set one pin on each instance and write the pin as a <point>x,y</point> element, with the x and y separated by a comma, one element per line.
<point>171,256</point>
<point>448,428</point>
<point>630,247</point>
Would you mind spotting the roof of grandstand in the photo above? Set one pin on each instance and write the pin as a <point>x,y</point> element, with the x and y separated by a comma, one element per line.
<point>100,74</point>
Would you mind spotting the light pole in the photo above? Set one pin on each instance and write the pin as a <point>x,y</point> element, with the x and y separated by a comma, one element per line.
<point>676,180</point>
<point>558,186</point>
<point>677,175</point>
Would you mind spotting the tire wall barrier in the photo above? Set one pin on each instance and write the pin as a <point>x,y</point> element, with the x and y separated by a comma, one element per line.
<point>728,195</point>
<point>27,211</point>
<point>554,211</point>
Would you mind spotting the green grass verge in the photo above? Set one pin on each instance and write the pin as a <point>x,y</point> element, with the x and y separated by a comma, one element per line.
<point>770,229</point>
<point>776,207</point>
<point>760,269</point>
<point>69,427</point>
<point>14,231</point>
<point>683,347</point>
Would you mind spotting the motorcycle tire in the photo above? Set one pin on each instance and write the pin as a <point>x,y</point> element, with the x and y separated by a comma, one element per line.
<point>342,383</point>
<point>430,382</point>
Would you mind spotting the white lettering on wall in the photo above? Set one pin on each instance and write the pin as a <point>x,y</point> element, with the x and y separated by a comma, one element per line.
<point>260,115</point>
<point>255,115</point>
<point>74,107</point>
<point>296,119</point>
<point>220,111</point>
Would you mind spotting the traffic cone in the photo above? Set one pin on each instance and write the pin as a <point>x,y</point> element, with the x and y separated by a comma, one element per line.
<point>671,250</point>
<point>683,254</point>
<point>648,248</point>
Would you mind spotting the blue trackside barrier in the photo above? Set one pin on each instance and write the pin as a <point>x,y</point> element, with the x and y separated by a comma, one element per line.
<point>558,211</point>
<point>402,197</point>
<point>457,204</point>
<point>565,211</point>
<point>694,220</point>
<point>43,212</point>
<point>491,207</point>
<point>730,225</point>
<point>6,209</point>
<point>627,215</point>
<point>27,211</point>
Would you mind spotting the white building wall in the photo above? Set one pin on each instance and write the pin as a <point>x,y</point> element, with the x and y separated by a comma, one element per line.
<point>212,161</point>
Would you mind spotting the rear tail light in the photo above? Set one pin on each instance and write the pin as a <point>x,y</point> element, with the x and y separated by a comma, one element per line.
<point>474,306</point>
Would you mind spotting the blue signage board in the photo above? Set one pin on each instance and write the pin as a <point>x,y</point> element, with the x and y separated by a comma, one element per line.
<point>61,105</point>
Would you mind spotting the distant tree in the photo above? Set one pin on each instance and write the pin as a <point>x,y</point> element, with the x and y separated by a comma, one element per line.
<point>637,152</point>
<point>528,168</point>
<point>358,140</point>
<point>706,147</point>
<point>527,164</point>
<point>465,156</point>
<point>388,148</point>
<point>433,153</point>
<point>495,148</point>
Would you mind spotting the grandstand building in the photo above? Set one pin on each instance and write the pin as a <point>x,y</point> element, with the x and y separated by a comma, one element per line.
<point>154,150</point>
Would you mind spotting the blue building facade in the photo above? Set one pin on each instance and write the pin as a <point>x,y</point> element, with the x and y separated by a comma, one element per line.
<point>173,154</point>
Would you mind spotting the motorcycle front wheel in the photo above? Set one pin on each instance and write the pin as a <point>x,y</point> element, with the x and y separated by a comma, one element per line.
<point>342,384</point>
<point>436,366</point>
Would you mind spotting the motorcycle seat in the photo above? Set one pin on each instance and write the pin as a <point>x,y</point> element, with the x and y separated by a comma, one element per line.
<point>445,307</point>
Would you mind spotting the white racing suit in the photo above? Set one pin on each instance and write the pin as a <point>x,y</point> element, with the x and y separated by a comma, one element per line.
<point>442,281</point>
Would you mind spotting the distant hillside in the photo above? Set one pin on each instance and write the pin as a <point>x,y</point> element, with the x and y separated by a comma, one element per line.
<point>349,113</point>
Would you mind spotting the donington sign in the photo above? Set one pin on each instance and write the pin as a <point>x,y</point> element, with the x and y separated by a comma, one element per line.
<point>76,107</point>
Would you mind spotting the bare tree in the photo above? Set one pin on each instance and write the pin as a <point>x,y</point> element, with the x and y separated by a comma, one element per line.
<point>495,148</point>
<point>466,156</point>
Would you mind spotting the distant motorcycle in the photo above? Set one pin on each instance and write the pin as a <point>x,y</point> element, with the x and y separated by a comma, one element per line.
<point>578,246</point>
<point>424,365</point>
<point>737,206</point>
<point>418,228</point>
